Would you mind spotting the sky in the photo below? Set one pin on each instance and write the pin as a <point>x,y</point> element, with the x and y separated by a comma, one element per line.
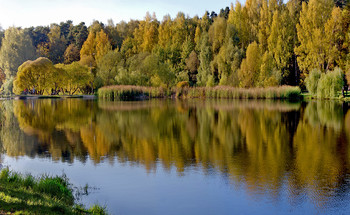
<point>27,13</point>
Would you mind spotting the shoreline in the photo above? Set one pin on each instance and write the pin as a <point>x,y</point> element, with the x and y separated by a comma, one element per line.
<point>138,93</point>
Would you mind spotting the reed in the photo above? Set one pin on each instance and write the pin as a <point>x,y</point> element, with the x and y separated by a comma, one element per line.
<point>128,92</point>
<point>219,92</point>
<point>223,92</point>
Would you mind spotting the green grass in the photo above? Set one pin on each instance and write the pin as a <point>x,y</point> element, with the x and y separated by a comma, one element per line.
<point>44,195</point>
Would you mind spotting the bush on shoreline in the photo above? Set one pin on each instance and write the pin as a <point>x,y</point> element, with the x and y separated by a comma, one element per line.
<point>325,85</point>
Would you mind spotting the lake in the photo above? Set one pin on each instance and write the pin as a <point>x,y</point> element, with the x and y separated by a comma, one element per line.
<point>187,157</point>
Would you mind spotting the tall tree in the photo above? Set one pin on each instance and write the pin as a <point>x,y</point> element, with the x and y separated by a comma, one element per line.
<point>217,33</point>
<point>250,67</point>
<point>103,46</point>
<point>205,57</point>
<point>57,44</point>
<point>108,67</point>
<point>71,54</point>
<point>17,47</point>
<point>311,34</point>
<point>335,38</point>
<point>78,34</point>
<point>280,42</point>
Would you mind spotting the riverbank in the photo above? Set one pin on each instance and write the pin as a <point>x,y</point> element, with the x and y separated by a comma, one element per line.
<point>45,195</point>
<point>308,97</point>
<point>221,92</point>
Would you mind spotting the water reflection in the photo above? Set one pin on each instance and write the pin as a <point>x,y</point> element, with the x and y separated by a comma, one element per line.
<point>265,146</point>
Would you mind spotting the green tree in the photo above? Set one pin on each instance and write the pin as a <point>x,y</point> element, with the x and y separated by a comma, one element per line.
<point>38,75</point>
<point>330,83</point>
<point>311,81</point>
<point>77,77</point>
<point>204,59</point>
<point>57,44</point>
<point>16,48</point>
<point>108,67</point>
<point>113,35</point>
<point>78,34</point>
<point>71,54</point>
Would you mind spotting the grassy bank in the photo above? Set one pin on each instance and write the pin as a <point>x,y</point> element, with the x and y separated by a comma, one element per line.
<point>45,195</point>
<point>136,92</point>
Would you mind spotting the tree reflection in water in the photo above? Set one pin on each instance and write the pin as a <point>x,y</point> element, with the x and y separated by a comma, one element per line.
<point>262,145</point>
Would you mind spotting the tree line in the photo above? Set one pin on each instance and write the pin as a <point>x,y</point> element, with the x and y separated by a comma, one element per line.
<point>257,44</point>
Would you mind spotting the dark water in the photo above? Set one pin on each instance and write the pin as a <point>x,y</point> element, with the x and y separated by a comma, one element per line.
<point>194,157</point>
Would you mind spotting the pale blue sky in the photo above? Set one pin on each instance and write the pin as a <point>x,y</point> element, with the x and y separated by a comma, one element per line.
<point>26,13</point>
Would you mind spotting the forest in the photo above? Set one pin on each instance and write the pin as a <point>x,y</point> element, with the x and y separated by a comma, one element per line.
<point>260,43</point>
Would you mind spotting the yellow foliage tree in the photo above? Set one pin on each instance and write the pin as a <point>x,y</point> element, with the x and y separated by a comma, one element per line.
<point>311,34</point>
<point>250,67</point>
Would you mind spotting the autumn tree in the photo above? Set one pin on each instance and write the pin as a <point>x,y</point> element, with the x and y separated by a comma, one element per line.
<point>16,48</point>
<point>311,34</point>
<point>103,45</point>
<point>250,67</point>
<point>108,67</point>
<point>335,39</point>
<point>89,46</point>
<point>217,33</point>
<point>35,75</point>
<point>96,46</point>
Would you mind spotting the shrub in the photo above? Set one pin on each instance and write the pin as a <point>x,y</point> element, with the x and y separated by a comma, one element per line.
<point>330,83</point>
<point>312,80</point>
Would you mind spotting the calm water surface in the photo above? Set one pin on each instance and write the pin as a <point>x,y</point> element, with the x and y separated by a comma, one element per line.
<point>194,157</point>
